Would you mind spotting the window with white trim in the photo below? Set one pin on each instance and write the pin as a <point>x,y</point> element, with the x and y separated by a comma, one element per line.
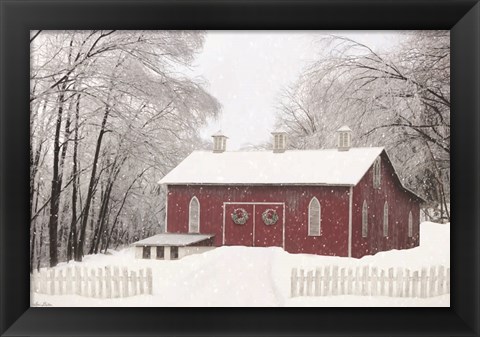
<point>364,219</point>
<point>385,219</point>
<point>194,216</point>
<point>314,217</point>
<point>377,173</point>
<point>410,224</point>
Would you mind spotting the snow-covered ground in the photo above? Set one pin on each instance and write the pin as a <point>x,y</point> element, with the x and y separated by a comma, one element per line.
<point>251,276</point>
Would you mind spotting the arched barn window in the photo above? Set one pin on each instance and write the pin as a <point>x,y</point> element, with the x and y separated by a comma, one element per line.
<point>377,173</point>
<point>410,225</point>
<point>194,216</point>
<point>364,219</point>
<point>385,219</point>
<point>314,217</point>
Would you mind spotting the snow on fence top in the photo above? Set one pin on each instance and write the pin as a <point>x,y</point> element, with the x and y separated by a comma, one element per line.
<point>321,167</point>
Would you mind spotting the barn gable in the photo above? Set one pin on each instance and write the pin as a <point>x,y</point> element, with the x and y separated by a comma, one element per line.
<point>399,181</point>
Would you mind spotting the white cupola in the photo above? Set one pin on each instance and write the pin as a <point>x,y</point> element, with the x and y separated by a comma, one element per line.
<point>279,140</point>
<point>344,135</point>
<point>219,142</point>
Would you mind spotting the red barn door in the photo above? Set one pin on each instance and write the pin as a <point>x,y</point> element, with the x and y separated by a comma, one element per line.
<point>268,231</point>
<point>256,231</point>
<point>237,234</point>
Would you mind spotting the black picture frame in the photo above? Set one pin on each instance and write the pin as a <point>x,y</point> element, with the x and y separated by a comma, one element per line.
<point>462,17</point>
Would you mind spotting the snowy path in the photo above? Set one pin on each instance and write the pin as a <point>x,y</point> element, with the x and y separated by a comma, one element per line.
<point>238,277</point>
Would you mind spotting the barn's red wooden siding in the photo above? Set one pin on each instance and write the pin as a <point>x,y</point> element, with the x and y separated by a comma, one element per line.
<point>334,213</point>
<point>334,201</point>
<point>400,203</point>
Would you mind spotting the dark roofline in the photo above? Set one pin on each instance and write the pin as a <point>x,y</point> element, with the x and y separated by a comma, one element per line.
<point>416,196</point>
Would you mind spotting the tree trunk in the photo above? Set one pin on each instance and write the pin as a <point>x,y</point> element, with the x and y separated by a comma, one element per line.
<point>64,146</point>
<point>103,204</point>
<point>40,245</point>
<point>88,200</point>
<point>121,207</point>
<point>116,168</point>
<point>34,234</point>
<point>72,237</point>
<point>56,187</point>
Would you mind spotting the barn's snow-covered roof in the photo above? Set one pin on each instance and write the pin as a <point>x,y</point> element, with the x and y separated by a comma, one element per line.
<point>329,167</point>
<point>173,239</point>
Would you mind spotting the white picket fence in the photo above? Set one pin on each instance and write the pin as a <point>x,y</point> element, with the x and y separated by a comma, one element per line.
<point>105,282</point>
<point>366,281</point>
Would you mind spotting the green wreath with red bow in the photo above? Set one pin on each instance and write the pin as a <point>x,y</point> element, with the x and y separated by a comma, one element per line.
<point>239,216</point>
<point>270,217</point>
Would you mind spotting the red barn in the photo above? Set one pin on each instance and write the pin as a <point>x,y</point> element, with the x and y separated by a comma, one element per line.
<point>343,201</point>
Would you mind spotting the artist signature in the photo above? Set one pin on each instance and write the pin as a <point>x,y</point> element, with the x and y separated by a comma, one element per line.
<point>43,304</point>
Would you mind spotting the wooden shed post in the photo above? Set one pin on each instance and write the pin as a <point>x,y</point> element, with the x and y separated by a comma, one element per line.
<point>138,252</point>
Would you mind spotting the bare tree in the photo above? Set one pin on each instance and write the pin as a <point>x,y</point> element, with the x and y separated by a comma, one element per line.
<point>122,101</point>
<point>399,99</point>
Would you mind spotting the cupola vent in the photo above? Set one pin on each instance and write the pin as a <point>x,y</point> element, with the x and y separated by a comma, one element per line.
<point>219,142</point>
<point>344,138</point>
<point>279,140</point>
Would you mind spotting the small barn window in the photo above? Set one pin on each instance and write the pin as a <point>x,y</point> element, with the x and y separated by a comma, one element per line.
<point>377,173</point>
<point>146,252</point>
<point>194,216</point>
<point>173,253</point>
<point>364,219</point>
<point>410,224</point>
<point>385,219</point>
<point>160,252</point>
<point>314,217</point>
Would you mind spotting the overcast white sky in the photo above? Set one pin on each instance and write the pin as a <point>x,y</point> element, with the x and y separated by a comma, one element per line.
<point>246,71</point>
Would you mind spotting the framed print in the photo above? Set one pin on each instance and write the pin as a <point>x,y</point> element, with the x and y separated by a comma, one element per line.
<point>218,161</point>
